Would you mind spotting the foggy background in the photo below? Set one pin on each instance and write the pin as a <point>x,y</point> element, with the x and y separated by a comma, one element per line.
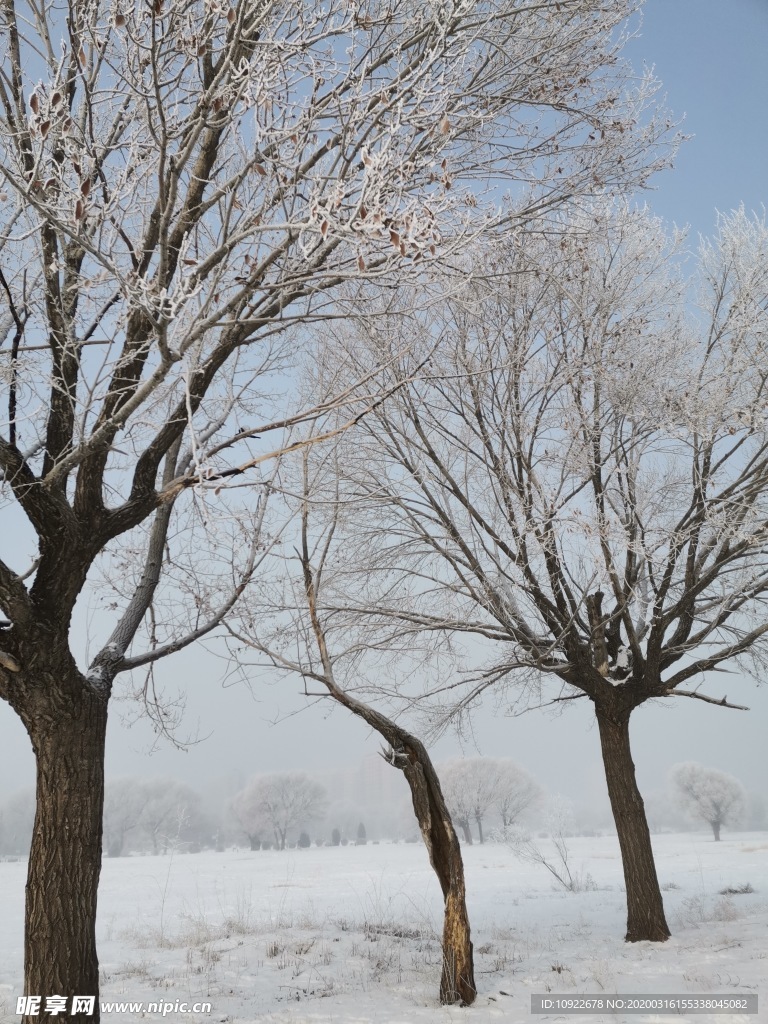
<point>710,57</point>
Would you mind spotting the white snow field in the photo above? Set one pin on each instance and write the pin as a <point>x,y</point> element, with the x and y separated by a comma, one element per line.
<point>349,935</point>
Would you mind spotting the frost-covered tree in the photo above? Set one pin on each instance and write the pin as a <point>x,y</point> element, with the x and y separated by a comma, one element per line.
<point>283,803</point>
<point>124,802</point>
<point>709,795</point>
<point>295,635</point>
<point>181,184</point>
<point>477,786</point>
<point>172,814</point>
<point>457,790</point>
<point>577,481</point>
<point>515,792</point>
<point>250,817</point>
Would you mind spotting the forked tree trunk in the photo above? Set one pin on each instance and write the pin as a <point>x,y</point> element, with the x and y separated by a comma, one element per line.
<point>67,730</point>
<point>645,907</point>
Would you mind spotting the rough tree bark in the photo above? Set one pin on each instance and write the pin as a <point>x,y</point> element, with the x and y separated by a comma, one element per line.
<point>66,721</point>
<point>645,907</point>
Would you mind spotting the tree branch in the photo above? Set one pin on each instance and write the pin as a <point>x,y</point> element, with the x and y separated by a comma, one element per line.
<point>14,596</point>
<point>723,702</point>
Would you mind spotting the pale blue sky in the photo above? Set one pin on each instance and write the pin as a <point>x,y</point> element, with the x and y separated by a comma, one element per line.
<point>711,56</point>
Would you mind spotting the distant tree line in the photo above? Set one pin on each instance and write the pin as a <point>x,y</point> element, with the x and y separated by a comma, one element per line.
<point>486,797</point>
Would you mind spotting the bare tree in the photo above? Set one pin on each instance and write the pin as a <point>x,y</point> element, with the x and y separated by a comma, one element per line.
<point>171,813</point>
<point>250,816</point>
<point>300,638</point>
<point>458,792</point>
<point>283,802</point>
<point>709,795</point>
<point>515,792</point>
<point>579,479</point>
<point>474,786</point>
<point>124,802</point>
<point>181,185</point>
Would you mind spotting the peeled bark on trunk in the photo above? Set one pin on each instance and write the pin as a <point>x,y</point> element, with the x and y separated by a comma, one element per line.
<point>68,734</point>
<point>645,907</point>
<point>457,983</point>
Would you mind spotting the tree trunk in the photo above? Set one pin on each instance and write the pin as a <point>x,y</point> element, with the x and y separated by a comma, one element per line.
<point>68,732</point>
<point>645,908</point>
<point>464,825</point>
<point>457,983</point>
<point>716,830</point>
<point>479,821</point>
<point>116,846</point>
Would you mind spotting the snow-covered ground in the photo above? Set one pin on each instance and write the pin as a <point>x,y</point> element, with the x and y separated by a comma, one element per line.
<point>350,934</point>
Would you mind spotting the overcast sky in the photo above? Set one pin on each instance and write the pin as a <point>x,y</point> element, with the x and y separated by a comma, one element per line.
<point>711,57</point>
